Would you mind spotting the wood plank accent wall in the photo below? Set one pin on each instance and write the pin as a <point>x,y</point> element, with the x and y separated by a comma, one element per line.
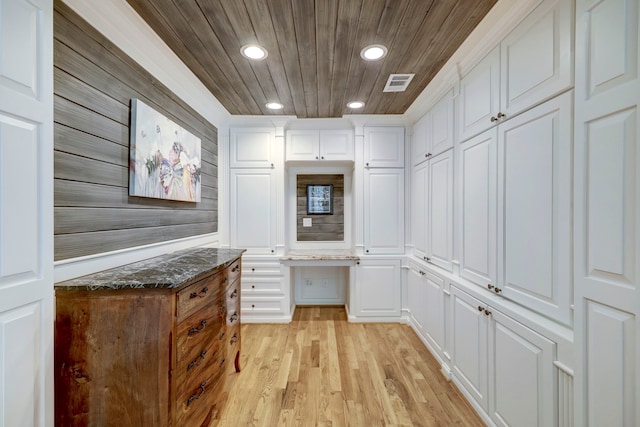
<point>94,82</point>
<point>325,227</point>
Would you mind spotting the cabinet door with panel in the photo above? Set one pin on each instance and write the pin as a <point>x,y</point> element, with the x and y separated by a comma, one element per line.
<point>253,209</point>
<point>441,135</point>
<point>384,211</point>
<point>378,290</point>
<point>521,374</point>
<point>534,208</point>
<point>419,195</point>
<point>303,145</point>
<point>478,232</point>
<point>420,140</point>
<point>479,99</point>
<point>435,321</point>
<point>416,298</point>
<point>536,58</point>
<point>469,346</point>
<point>251,148</point>
<point>384,147</point>
<point>532,64</point>
<point>440,210</point>
<point>336,145</point>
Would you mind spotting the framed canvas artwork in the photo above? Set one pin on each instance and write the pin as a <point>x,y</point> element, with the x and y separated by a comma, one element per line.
<point>320,199</point>
<point>164,158</point>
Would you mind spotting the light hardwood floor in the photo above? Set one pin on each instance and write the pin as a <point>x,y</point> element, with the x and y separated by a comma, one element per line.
<point>321,370</point>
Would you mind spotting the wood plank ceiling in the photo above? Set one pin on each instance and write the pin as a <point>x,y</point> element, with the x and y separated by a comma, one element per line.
<point>314,66</point>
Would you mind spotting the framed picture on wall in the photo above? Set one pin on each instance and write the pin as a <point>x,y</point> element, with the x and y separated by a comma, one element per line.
<point>320,199</point>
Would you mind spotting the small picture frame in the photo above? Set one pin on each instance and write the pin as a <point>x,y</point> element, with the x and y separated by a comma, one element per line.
<point>320,199</point>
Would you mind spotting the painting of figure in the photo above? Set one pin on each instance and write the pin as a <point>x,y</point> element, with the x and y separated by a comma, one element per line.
<point>164,158</point>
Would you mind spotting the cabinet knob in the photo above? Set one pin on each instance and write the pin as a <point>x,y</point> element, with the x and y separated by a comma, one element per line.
<point>253,306</point>
<point>316,157</point>
<point>322,157</point>
<point>494,119</point>
<point>367,251</point>
<point>487,312</point>
<point>253,286</point>
<point>367,165</point>
<point>272,165</point>
<point>501,115</point>
<point>253,269</point>
<point>490,286</point>
<point>427,259</point>
<point>497,290</point>
<point>480,308</point>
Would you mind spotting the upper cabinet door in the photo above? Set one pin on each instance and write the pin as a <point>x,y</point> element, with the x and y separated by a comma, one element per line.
<point>384,147</point>
<point>441,135</point>
<point>440,210</point>
<point>336,145</point>
<point>479,100</point>
<point>537,57</point>
<point>303,145</point>
<point>534,208</point>
<point>420,140</point>
<point>252,148</point>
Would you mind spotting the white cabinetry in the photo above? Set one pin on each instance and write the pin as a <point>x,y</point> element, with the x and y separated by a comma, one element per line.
<point>377,289</point>
<point>532,64</point>
<point>383,211</point>
<point>433,133</point>
<point>383,190</point>
<point>253,210</point>
<point>252,148</point>
<point>505,367</point>
<point>320,145</point>
<point>478,226</point>
<point>384,147</point>
<point>607,213</point>
<point>432,210</point>
<point>264,298</point>
<point>417,298</point>
<point>515,235</point>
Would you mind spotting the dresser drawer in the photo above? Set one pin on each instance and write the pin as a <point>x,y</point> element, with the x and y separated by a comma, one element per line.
<point>200,294</point>
<point>196,333</point>
<point>234,270</point>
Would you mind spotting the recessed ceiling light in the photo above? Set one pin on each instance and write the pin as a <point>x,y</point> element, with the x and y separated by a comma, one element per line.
<point>274,105</point>
<point>373,52</point>
<point>355,104</point>
<point>253,51</point>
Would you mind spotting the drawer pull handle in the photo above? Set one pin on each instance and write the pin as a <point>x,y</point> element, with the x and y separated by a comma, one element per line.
<point>235,268</point>
<point>234,293</point>
<point>222,309</point>
<point>198,361</point>
<point>225,280</point>
<point>233,339</point>
<point>200,294</point>
<point>487,312</point>
<point>197,396</point>
<point>193,331</point>
<point>233,317</point>
<point>222,363</point>
<point>222,335</point>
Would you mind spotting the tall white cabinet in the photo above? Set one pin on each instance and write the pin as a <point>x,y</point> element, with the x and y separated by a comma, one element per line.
<point>255,178</point>
<point>606,266</point>
<point>26,213</point>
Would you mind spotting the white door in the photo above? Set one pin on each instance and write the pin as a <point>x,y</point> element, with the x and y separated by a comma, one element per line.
<point>302,145</point>
<point>469,345</point>
<point>384,147</point>
<point>26,213</point>
<point>440,210</point>
<point>479,99</point>
<point>378,288</point>
<point>521,374</point>
<point>434,324</point>
<point>534,208</point>
<point>419,189</point>
<point>607,213</point>
<point>253,210</point>
<point>478,169</point>
<point>416,300</point>
<point>441,129</point>
<point>336,145</point>
<point>384,211</point>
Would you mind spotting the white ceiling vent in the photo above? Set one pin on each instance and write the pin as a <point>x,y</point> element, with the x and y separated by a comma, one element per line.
<point>398,82</point>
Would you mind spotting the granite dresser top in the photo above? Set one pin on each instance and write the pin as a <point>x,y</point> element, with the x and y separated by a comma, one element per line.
<point>166,271</point>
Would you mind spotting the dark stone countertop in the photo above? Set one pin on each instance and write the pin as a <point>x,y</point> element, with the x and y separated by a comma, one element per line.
<point>166,271</point>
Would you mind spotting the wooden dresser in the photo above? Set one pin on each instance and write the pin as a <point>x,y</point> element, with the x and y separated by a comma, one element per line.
<point>148,344</point>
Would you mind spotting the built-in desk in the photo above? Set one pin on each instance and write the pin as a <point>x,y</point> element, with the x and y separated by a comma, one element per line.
<point>318,257</point>
<point>321,276</point>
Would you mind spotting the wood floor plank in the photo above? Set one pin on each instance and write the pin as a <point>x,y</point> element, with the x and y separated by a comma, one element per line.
<point>321,370</point>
